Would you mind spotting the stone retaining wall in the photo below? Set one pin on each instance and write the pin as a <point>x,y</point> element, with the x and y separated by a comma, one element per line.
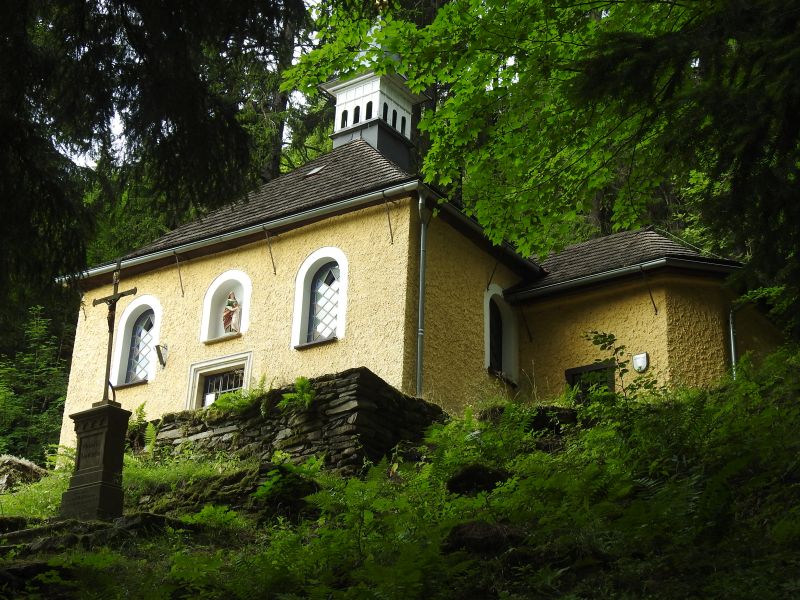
<point>355,416</point>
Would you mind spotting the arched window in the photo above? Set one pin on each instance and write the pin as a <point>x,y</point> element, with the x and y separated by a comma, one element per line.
<point>344,119</point>
<point>356,114</point>
<point>140,351</point>
<point>501,345</point>
<point>323,311</point>
<point>368,114</point>
<point>226,306</point>
<point>320,298</point>
<point>394,119</point>
<point>403,125</point>
<point>134,357</point>
<point>385,112</point>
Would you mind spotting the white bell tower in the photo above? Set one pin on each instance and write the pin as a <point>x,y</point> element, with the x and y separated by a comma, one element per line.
<point>376,108</point>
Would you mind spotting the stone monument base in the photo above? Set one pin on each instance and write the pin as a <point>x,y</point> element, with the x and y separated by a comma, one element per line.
<point>95,501</point>
<point>95,489</point>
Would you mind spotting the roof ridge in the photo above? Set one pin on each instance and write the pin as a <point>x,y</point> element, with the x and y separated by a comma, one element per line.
<point>675,238</point>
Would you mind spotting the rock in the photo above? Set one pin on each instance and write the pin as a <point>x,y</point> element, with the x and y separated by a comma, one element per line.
<point>552,418</point>
<point>20,580</point>
<point>492,415</point>
<point>8,524</point>
<point>353,409</point>
<point>480,537</point>
<point>56,543</point>
<point>15,471</point>
<point>476,478</point>
<point>145,522</point>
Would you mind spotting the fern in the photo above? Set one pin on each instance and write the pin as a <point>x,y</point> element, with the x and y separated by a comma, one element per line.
<point>302,397</point>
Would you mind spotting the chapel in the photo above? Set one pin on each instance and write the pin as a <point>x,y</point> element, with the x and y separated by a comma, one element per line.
<point>352,260</point>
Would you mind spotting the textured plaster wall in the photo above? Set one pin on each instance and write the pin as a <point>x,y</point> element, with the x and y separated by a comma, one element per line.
<point>687,341</point>
<point>699,347</point>
<point>375,332</point>
<point>557,327</point>
<point>458,272</point>
<point>697,329</point>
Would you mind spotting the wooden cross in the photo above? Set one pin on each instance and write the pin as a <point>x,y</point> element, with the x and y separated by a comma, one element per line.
<point>111,301</point>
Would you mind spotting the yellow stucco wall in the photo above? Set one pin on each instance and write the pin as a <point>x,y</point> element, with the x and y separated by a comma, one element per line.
<point>687,340</point>
<point>699,346</point>
<point>558,326</point>
<point>375,333</point>
<point>457,275</point>
<point>697,311</point>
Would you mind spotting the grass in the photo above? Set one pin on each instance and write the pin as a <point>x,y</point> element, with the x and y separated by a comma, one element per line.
<point>39,500</point>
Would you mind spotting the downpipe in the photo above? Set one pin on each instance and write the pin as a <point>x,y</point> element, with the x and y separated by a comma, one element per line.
<point>732,337</point>
<point>425,215</point>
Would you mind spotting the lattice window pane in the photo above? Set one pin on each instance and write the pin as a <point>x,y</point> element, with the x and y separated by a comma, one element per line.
<point>139,353</point>
<point>220,383</point>
<point>324,309</point>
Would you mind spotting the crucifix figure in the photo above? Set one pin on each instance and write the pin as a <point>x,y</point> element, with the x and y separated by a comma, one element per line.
<point>111,301</point>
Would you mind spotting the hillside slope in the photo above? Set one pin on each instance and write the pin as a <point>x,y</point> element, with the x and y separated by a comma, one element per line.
<point>651,494</point>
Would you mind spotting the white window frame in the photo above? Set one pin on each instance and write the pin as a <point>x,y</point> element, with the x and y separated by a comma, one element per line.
<point>122,343</point>
<point>198,370</point>
<point>302,293</point>
<point>510,333</point>
<point>214,300</point>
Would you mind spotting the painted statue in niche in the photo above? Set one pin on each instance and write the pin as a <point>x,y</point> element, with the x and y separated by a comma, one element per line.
<point>231,314</point>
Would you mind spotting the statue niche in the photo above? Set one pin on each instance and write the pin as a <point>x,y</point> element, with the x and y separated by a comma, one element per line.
<point>231,314</point>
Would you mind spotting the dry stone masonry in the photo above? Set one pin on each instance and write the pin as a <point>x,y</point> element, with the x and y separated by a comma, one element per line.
<point>355,417</point>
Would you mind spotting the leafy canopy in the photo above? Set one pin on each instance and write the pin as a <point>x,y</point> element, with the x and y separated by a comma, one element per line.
<point>544,110</point>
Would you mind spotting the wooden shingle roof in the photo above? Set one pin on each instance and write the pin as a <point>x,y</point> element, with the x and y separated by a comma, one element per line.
<point>350,170</point>
<point>612,256</point>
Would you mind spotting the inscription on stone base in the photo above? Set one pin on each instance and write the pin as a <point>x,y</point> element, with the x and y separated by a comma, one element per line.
<point>94,489</point>
<point>94,501</point>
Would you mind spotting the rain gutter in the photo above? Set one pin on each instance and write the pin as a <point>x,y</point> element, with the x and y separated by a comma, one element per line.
<point>289,220</point>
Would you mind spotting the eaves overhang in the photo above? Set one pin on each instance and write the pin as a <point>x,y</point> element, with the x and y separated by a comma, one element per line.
<point>252,233</point>
<point>241,236</point>
<point>707,266</point>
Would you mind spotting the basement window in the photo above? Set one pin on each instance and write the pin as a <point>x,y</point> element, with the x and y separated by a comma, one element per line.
<point>597,375</point>
<point>209,379</point>
<point>221,383</point>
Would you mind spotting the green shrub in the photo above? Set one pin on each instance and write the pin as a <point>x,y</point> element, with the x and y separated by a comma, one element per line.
<point>302,396</point>
<point>215,517</point>
<point>33,385</point>
<point>240,401</point>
